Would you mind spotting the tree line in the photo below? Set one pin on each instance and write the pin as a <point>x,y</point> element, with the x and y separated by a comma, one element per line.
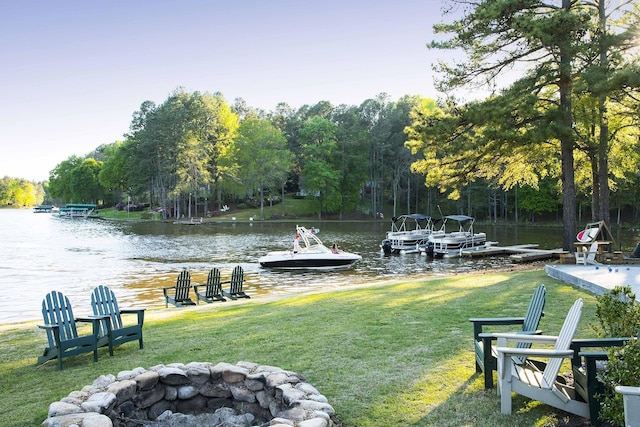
<point>562,138</point>
<point>20,193</point>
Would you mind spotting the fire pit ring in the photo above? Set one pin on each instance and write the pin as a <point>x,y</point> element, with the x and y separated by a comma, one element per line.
<point>244,394</point>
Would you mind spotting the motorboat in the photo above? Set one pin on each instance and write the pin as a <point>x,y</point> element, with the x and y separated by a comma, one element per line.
<point>407,234</point>
<point>43,209</point>
<point>309,252</point>
<point>444,244</point>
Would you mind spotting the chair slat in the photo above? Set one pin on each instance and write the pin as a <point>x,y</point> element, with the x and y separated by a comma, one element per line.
<point>563,342</point>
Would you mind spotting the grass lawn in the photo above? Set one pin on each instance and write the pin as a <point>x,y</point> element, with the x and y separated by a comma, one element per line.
<point>399,354</point>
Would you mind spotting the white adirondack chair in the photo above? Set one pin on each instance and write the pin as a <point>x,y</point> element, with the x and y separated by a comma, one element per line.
<point>631,396</point>
<point>585,256</point>
<point>529,381</point>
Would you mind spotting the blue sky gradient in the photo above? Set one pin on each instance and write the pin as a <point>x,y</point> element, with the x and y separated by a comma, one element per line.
<point>74,71</point>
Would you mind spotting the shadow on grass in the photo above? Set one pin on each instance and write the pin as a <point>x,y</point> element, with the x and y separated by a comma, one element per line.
<point>392,355</point>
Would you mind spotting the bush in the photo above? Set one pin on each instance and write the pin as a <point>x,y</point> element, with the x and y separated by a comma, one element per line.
<point>619,316</point>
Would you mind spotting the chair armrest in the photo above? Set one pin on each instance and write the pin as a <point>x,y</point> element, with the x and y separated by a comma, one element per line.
<point>536,352</point>
<point>628,390</point>
<point>138,311</point>
<point>164,290</point>
<point>498,320</point>
<point>492,335</point>
<point>534,339</point>
<point>91,318</point>
<point>479,322</point>
<point>48,326</point>
<point>578,344</point>
<point>132,310</point>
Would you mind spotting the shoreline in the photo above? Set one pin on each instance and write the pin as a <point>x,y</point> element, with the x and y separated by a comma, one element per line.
<point>160,312</point>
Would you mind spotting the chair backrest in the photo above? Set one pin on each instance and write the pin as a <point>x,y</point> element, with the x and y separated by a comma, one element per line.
<point>593,250</point>
<point>532,318</point>
<point>183,285</point>
<point>104,303</point>
<point>237,279</point>
<point>56,310</point>
<point>535,310</point>
<point>563,342</point>
<point>214,285</point>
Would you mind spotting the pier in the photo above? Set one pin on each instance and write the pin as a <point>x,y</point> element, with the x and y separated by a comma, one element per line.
<point>518,253</point>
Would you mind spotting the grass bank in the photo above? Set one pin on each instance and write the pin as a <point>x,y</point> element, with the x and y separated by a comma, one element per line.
<point>398,354</point>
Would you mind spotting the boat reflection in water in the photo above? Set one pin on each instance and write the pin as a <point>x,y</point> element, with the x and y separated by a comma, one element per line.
<point>309,253</point>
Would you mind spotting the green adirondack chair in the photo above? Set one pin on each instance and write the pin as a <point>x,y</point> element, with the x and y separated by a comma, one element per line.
<point>182,289</point>
<point>62,333</point>
<point>235,284</point>
<point>485,355</point>
<point>586,366</point>
<point>212,289</point>
<point>105,305</point>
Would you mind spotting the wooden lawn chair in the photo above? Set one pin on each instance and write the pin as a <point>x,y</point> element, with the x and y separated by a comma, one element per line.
<point>105,305</point>
<point>182,289</point>
<point>631,399</point>
<point>529,381</point>
<point>585,256</point>
<point>586,365</point>
<point>486,357</point>
<point>62,333</point>
<point>235,284</point>
<point>212,289</point>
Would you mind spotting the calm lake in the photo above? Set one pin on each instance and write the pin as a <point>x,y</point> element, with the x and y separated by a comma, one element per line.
<point>41,252</point>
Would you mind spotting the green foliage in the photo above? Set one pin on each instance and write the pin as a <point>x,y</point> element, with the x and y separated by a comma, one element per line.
<point>623,368</point>
<point>618,314</point>
<point>20,193</point>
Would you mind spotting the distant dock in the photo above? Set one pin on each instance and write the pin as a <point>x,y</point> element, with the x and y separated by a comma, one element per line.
<point>518,253</point>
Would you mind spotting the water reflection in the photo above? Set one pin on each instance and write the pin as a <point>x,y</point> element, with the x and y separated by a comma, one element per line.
<point>136,259</point>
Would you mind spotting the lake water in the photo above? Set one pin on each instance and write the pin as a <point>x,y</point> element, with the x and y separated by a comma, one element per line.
<point>40,253</point>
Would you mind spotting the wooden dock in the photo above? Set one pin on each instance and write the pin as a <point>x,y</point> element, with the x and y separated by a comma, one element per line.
<point>518,253</point>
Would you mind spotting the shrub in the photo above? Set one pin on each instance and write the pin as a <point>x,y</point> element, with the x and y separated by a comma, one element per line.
<point>619,316</point>
<point>618,313</point>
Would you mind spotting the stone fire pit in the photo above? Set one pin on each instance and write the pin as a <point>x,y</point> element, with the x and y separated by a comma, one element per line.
<point>195,394</point>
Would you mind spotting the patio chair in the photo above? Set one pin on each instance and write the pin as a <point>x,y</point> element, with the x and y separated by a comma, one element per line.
<point>182,289</point>
<point>585,256</point>
<point>529,381</point>
<point>236,282</point>
<point>105,305</point>
<point>485,354</point>
<point>631,399</point>
<point>62,333</point>
<point>585,366</point>
<point>212,289</point>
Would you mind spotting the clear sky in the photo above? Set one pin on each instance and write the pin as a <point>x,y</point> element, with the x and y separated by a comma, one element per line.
<point>73,72</point>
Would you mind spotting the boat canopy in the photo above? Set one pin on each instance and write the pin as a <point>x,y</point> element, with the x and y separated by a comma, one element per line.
<point>416,217</point>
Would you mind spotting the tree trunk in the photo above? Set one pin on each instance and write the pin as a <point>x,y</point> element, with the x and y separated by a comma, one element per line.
<point>567,145</point>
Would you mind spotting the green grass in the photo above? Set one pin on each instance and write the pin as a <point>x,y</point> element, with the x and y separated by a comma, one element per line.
<point>294,208</point>
<point>397,354</point>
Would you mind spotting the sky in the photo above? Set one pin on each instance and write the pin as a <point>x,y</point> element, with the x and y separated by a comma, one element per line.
<point>74,72</point>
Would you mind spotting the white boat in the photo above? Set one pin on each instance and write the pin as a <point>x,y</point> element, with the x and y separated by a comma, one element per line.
<point>308,252</point>
<point>443,244</point>
<point>43,209</point>
<point>408,233</point>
